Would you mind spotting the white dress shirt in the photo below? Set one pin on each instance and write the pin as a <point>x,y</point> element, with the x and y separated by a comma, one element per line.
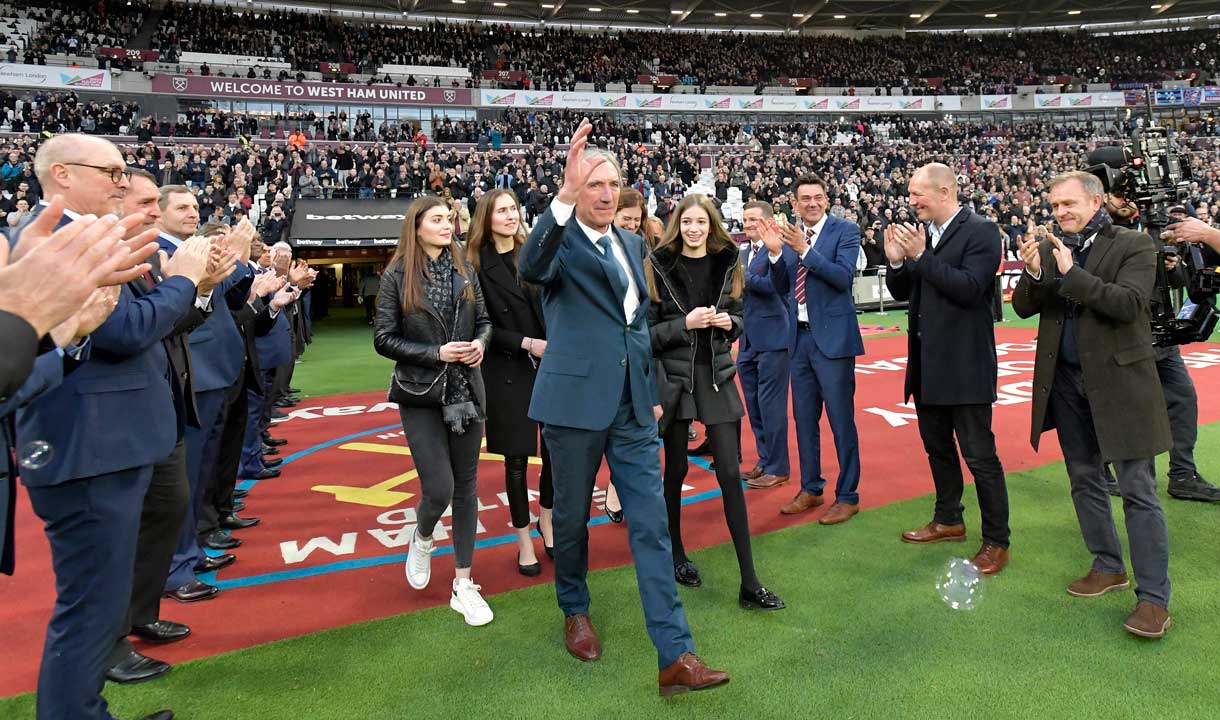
<point>562,212</point>
<point>802,312</point>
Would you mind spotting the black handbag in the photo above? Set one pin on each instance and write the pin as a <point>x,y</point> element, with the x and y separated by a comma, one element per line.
<point>418,394</point>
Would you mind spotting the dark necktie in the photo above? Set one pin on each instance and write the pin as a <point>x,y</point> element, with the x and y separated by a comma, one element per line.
<point>617,276</point>
<point>802,271</point>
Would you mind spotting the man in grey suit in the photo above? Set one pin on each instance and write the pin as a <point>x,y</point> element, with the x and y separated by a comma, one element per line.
<point>597,397</point>
<point>1095,382</point>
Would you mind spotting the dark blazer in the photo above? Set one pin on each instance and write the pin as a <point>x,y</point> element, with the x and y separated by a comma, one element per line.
<point>950,290</point>
<point>591,347</point>
<point>832,269</point>
<point>769,311</point>
<point>20,348</point>
<point>1114,334</point>
<point>515,310</point>
<point>253,321</point>
<point>414,341</point>
<point>178,352</point>
<point>275,347</point>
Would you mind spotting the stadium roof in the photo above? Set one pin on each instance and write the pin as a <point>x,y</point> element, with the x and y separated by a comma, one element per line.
<point>782,15</point>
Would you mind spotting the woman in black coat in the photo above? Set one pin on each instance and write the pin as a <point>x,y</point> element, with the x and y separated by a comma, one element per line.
<point>519,340</point>
<point>432,322</point>
<point>695,279</point>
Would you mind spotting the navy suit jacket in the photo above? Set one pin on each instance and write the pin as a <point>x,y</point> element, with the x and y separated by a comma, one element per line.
<point>770,311</point>
<point>275,347</point>
<point>591,348</point>
<point>832,269</point>
<point>115,412</point>
<point>216,345</point>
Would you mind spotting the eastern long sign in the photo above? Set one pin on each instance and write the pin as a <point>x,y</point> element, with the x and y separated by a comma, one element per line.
<point>245,89</point>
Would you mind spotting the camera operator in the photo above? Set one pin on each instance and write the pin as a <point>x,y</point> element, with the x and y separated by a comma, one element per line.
<point>1185,483</point>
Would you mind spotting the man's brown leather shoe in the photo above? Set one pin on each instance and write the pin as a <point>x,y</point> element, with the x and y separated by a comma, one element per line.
<point>803,502</point>
<point>990,559</point>
<point>1148,620</point>
<point>839,513</point>
<point>934,532</point>
<point>688,673</point>
<point>581,639</point>
<point>1097,583</point>
<point>762,482</point>
<point>754,474</point>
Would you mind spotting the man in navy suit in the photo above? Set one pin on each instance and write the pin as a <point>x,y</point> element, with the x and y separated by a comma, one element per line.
<point>827,343</point>
<point>768,339</point>
<point>597,396</point>
<point>108,423</point>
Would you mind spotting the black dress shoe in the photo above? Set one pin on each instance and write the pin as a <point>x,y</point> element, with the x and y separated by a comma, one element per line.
<point>268,450</point>
<point>162,631</point>
<point>687,574</point>
<point>272,463</point>
<point>550,549</point>
<point>285,403</point>
<point>238,506</point>
<point>217,540</point>
<point>161,715</point>
<point>274,441</point>
<point>616,516</point>
<point>277,415</point>
<point>264,474</point>
<point>212,564</point>
<point>528,570</point>
<point>134,668</point>
<point>232,522</point>
<point>238,493</point>
<point>760,599</point>
<point>294,391</point>
<point>193,591</point>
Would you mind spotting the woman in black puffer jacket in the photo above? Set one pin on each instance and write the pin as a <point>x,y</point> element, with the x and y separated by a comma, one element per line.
<point>695,278</point>
<point>431,321</point>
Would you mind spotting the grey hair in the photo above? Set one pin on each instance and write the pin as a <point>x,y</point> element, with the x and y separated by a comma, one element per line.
<point>1090,182</point>
<point>281,246</point>
<point>592,153</point>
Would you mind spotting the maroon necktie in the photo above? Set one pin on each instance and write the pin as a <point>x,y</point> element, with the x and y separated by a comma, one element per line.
<point>802,271</point>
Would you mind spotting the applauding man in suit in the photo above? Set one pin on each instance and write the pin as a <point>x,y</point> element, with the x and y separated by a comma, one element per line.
<point>827,343</point>
<point>946,274</point>
<point>597,397</point>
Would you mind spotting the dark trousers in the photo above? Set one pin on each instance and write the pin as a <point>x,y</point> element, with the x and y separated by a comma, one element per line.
<point>723,437</point>
<point>971,424</point>
<point>1183,404</point>
<point>1147,533</point>
<point>92,527</point>
<point>448,468</point>
<point>218,495</point>
<point>517,490</point>
<point>817,382</point>
<point>764,383</point>
<point>252,439</point>
<point>370,305</point>
<point>632,451</point>
<point>202,446</point>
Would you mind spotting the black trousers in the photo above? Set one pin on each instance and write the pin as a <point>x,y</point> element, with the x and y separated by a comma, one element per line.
<point>516,469</point>
<point>723,438</point>
<point>218,497</point>
<point>938,424</point>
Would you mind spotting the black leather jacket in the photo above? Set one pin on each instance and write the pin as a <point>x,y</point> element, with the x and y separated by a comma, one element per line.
<point>414,341</point>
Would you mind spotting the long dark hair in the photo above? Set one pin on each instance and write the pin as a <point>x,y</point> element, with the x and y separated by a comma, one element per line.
<point>718,240</point>
<point>411,257</point>
<point>479,232</point>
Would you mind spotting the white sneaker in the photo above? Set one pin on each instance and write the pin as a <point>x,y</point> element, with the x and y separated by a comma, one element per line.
<point>467,600</point>
<point>419,562</point>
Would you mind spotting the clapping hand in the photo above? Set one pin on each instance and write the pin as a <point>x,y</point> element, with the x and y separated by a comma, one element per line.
<point>770,236</point>
<point>266,283</point>
<point>894,252</point>
<point>908,237</point>
<point>1062,253</point>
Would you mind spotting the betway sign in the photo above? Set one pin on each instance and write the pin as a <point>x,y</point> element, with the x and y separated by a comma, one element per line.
<point>298,92</point>
<point>332,223</point>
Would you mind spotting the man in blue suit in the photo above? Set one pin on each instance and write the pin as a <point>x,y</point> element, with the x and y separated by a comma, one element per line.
<point>108,423</point>
<point>596,396</point>
<point>768,339</point>
<point>827,343</point>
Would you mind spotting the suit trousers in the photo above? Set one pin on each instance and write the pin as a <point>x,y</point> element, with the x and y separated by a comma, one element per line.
<point>1182,401</point>
<point>1147,533</point>
<point>632,451</point>
<point>817,382</point>
<point>202,446</point>
<point>252,441</point>
<point>218,495</point>
<point>448,467</point>
<point>92,530</point>
<point>938,424</point>
<point>764,383</point>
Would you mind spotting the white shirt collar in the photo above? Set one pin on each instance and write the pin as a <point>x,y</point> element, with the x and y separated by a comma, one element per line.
<point>67,213</point>
<point>939,230</point>
<point>817,227</point>
<point>173,240</point>
<point>590,233</point>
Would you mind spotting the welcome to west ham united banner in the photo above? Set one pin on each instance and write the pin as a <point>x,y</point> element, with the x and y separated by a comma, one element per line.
<point>304,92</point>
<point>347,223</point>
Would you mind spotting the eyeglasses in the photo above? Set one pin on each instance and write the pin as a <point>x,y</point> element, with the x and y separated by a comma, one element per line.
<point>116,174</point>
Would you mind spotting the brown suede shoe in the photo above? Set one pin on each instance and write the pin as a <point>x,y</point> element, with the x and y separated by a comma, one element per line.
<point>688,673</point>
<point>934,532</point>
<point>1096,584</point>
<point>1148,620</point>
<point>839,513</point>
<point>762,482</point>
<point>803,502</point>
<point>754,474</point>
<point>581,638</point>
<point>990,559</point>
